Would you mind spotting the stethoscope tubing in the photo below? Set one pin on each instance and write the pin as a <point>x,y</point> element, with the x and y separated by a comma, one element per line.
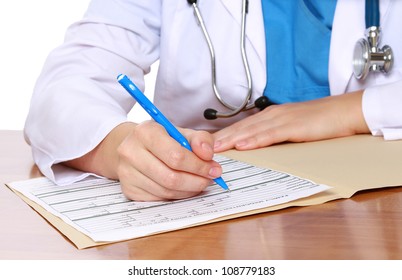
<point>372,13</point>
<point>246,105</point>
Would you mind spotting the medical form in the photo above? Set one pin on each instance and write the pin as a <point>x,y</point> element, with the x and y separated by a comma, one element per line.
<point>98,208</point>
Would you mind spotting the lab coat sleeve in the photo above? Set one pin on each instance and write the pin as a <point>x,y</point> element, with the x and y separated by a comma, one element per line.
<point>382,102</point>
<point>382,110</point>
<point>77,100</point>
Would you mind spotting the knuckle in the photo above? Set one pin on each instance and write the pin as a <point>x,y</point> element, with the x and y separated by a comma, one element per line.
<point>271,134</point>
<point>175,158</point>
<point>123,174</point>
<point>254,128</point>
<point>168,194</point>
<point>204,170</point>
<point>128,190</point>
<point>122,151</point>
<point>132,194</point>
<point>141,131</point>
<point>203,135</point>
<point>172,180</point>
<point>145,132</point>
<point>200,185</point>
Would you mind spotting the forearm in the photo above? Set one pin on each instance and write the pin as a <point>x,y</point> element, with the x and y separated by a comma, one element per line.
<point>103,159</point>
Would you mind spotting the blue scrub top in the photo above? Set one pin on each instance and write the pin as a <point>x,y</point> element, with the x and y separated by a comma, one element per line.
<point>298,36</point>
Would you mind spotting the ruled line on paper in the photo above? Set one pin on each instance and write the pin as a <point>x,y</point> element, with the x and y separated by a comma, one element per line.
<point>98,208</point>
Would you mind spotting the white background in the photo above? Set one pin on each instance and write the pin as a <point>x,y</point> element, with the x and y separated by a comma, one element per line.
<point>29,30</point>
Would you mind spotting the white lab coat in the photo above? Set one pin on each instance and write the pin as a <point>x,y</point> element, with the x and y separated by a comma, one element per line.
<point>77,101</point>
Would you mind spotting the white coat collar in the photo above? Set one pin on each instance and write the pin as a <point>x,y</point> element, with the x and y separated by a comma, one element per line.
<point>348,27</point>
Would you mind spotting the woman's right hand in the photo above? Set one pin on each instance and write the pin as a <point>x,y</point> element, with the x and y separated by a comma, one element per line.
<point>150,164</point>
<point>154,166</point>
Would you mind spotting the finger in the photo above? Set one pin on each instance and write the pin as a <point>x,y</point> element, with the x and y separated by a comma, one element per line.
<point>170,165</point>
<point>169,178</point>
<point>201,143</point>
<point>262,139</point>
<point>236,134</point>
<point>247,133</point>
<point>137,186</point>
<point>178,158</point>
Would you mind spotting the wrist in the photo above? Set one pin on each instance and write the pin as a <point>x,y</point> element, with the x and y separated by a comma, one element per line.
<point>355,120</point>
<point>103,159</point>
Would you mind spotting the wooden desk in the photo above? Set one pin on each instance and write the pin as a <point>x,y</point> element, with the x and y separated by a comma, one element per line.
<point>367,226</point>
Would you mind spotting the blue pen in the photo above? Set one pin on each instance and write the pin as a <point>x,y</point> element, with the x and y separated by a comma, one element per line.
<point>135,92</point>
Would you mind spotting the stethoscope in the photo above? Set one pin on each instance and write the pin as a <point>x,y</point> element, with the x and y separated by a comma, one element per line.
<point>367,57</point>
<point>261,103</point>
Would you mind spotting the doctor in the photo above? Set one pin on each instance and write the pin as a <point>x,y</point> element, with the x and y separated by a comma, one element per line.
<point>299,55</point>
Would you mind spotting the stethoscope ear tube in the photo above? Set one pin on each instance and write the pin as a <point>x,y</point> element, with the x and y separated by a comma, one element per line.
<point>263,102</point>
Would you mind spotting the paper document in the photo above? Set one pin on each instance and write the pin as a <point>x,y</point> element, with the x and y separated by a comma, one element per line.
<point>97,207</point>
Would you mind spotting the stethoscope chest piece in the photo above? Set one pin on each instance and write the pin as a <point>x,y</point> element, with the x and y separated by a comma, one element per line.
<point>367,56</point>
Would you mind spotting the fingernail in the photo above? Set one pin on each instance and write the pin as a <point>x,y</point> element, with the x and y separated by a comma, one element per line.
<point>214,172</point>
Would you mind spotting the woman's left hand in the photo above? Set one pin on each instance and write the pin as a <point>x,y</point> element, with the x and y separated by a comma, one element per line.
<point>324,118</point>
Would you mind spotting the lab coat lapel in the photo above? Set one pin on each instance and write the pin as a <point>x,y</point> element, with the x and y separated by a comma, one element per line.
<point>254,24</point>
<point>348,27</point>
